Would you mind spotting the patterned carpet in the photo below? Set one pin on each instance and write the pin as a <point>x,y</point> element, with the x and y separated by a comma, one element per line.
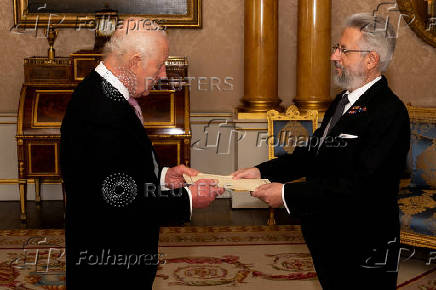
<point>251,257</point>
<point>425,281</point>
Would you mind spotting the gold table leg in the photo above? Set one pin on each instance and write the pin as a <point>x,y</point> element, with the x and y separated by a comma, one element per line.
<point>23,195</point>
<point>271,219</point>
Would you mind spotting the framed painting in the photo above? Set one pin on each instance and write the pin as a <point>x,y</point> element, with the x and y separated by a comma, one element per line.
<point>81,13</point>
<point>289,130</point>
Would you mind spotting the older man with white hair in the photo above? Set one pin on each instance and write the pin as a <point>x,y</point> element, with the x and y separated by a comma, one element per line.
<point>117,195</point>
<point>348,203</point>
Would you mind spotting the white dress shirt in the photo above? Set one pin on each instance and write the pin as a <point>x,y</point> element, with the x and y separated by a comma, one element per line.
<point>355,95</point>
<point>352,98</point>
<point>106,74</point>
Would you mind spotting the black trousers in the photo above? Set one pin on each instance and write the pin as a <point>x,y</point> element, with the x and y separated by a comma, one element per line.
<point>82,278</point>
<point>347,263</point>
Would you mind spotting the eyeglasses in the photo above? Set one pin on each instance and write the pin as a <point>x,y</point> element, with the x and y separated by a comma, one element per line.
<point>344,50</point>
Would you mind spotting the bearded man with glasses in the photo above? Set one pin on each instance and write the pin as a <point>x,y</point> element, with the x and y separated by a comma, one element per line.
<point>348,203</point>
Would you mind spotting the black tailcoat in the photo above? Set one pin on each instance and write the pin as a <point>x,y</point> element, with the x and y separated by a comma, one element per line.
<point>107,167</point>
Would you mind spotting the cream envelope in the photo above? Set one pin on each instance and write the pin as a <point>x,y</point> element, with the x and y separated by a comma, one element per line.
<point>228,182</point>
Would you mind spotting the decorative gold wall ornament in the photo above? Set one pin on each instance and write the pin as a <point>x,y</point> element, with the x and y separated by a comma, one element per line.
<point>420,15</point>
<point>106,20</point>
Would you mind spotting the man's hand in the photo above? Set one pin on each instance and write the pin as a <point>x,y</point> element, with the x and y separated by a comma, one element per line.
<point>249,173</point>
<point>204,192</point>
<point>270,193</point>
<point>174,177</point>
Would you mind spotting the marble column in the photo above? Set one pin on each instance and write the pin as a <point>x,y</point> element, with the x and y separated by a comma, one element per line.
<point>260,59</point>
<point>313,58</point>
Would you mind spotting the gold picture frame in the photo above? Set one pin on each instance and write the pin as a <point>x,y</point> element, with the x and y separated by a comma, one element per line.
<point>310,117</point>
<point>26,18</point>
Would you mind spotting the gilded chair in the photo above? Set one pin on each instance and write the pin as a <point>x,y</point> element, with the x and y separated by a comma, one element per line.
<point>417,196</point>
<point>286,131</point>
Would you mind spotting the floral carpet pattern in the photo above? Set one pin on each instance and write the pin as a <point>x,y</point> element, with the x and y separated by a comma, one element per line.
<point>250,257</point>
<point>193,256</point>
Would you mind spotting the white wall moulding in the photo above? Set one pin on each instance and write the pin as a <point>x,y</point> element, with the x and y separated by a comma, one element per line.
<point>249,152</point>
<point>213,143</point>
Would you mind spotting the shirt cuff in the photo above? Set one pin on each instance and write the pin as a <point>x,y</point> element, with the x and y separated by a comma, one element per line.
<point>163,174</point>
<point>284,201</point>
<point>190,201</point>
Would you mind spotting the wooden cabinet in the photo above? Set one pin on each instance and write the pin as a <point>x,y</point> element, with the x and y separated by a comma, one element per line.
<point>45,95</point>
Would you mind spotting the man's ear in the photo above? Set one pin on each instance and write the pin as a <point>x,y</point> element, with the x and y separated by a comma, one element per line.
<point>372,60</point>
<point>134,61</point>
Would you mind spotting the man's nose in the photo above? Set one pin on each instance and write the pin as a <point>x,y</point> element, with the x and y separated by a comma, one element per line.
<point>335,56</point>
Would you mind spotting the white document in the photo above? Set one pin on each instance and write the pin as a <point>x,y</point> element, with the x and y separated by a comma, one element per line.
<point>228,182</point>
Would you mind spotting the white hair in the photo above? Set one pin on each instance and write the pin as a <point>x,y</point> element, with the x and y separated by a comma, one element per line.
<point>377,35</point>
<point>137,40</point>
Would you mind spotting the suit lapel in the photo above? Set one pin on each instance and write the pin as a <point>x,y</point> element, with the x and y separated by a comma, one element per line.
<point>140,134</point>
<point>137,129</point>
<point>127,120</point>
<point>361,102</point>
<point>329,113</point>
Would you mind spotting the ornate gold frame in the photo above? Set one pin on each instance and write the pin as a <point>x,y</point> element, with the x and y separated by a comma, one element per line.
<point>408,7</point>
<point>291,114</point>
<point>23,19</point>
